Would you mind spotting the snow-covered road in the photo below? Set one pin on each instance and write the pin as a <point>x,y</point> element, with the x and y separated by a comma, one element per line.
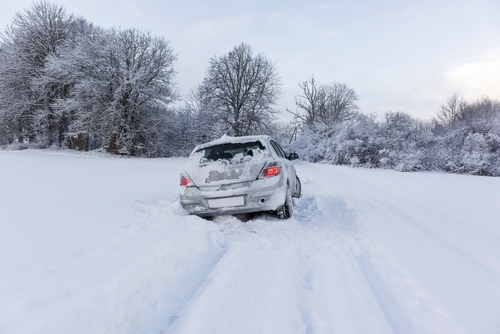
<point>94,244</point>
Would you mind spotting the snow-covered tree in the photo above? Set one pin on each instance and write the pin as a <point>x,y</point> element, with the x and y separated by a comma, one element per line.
<point>403,140</point>
<point>122,83</point>
<point>467,143</point>
<point>25,98</point>
<point>475,155</point>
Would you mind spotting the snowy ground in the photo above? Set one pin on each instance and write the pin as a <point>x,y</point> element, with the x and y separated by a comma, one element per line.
<point>98,244</point>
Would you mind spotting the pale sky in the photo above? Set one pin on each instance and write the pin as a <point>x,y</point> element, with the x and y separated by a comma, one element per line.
<point>397,55</point>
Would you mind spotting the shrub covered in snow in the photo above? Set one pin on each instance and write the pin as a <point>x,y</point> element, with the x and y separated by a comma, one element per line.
<point>468,142</point>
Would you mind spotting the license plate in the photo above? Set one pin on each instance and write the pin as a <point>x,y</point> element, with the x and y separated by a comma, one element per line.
<point>226,202</point>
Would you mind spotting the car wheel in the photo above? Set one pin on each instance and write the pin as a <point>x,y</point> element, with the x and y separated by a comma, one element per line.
<point>285,210</point>
<point>298,188</point>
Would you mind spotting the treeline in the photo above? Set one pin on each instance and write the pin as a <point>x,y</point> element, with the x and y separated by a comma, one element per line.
<point>65,81</point>
<point>464,137</point>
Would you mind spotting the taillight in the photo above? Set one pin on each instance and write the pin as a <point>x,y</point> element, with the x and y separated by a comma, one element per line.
<point>270,170</point>
<point>185,181</point>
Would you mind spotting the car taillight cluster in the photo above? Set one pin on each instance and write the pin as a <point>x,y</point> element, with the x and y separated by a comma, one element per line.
<point>270,170</point>
<point>185,181</point>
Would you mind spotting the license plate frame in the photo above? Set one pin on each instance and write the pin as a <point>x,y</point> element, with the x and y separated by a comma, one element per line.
<point>226,202</point>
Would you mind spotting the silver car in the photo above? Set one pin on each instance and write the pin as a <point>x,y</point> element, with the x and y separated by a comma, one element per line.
<point>234,175</point>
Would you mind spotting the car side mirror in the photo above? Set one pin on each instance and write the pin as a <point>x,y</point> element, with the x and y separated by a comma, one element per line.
<point>293,156</point>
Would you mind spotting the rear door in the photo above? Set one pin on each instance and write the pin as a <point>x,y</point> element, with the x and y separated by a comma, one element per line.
<point>290,169</point>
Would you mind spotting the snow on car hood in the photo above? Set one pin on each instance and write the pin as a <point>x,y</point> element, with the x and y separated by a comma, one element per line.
<point>240,168</point>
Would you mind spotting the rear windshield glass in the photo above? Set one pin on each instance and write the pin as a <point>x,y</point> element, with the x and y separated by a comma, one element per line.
<point>231,151</point>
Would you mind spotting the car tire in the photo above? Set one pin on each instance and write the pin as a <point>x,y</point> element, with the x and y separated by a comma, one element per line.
<point>298,188</point>
<point>285,210</point>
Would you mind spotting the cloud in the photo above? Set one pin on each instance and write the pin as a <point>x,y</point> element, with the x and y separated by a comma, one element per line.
<point>225,25</point>
<point>475,79</point>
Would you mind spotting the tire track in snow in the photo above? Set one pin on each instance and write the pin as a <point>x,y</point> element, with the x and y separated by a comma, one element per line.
<point>320,225</point>
<point>391,311</point>
<point>188,282</point>
<point>290,241</point>
<point>332,215</point>
<point>402,299</point>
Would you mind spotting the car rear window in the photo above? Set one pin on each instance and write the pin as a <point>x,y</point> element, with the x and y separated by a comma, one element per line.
<point>231,151</point>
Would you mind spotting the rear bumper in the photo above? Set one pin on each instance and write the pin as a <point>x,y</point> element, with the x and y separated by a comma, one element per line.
<point>260,195</point>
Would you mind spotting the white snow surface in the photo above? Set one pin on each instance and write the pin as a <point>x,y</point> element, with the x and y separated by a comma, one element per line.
<point>96,244</point>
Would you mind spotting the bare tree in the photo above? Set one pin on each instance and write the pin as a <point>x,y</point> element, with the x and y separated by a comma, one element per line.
<point>340,104</point>
<point>241,90</point>
<point>310,102</point>
<point>326,104</point>
<point>452,111</point>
